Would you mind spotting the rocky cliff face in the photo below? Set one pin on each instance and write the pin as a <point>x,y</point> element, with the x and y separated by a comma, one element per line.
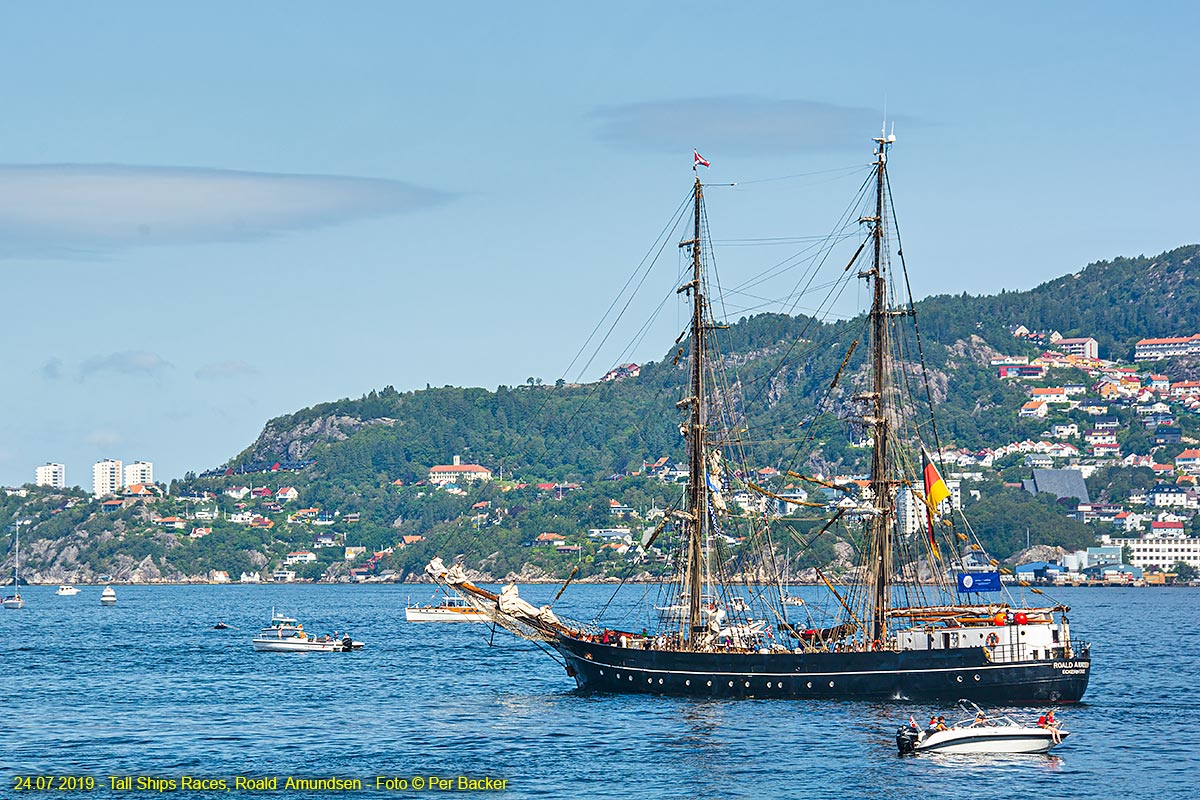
<point>285,438</point>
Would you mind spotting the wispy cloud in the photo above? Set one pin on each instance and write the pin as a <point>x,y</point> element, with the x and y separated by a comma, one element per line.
<point>89,210</point>
<point>225,369</point>
<point>52,369</point>
<point>103,437</point>
<point>743,124</point>
<point>130,362</point>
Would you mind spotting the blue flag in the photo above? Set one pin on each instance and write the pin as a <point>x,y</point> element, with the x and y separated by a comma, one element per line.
<point>978,582</point>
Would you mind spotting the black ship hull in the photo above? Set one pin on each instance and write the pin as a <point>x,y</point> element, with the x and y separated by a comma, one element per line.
<point>884,675</point>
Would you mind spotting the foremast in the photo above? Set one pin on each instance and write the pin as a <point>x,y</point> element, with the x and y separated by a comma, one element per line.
<point>696,511</point>
<point>883,484</point>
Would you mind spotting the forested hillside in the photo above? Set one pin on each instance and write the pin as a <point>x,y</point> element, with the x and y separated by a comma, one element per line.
<point>783,364</point>
<point>369,457</point>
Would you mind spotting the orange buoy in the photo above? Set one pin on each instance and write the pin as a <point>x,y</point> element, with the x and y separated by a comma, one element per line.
<point>999,619</point>
<point>1020,618</point>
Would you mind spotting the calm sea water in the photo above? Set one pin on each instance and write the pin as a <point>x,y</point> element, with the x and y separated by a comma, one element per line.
<point>148,689</point>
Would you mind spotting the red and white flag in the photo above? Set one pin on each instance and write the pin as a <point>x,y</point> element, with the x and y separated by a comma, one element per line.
<point>698,160</point>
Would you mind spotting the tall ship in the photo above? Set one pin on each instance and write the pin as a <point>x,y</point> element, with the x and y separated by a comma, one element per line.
<point>908,622</point>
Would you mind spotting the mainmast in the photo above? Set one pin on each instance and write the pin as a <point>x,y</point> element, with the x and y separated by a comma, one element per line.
<point>881,484</point>
<point>697,509</point>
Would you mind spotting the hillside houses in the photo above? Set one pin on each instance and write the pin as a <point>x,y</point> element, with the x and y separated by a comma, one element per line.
<point>1158,349</point>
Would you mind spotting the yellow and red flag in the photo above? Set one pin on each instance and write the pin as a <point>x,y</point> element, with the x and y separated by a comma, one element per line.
<point>935,492</point>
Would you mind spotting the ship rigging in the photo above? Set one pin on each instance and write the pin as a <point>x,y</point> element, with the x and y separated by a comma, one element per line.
<point>891,634</point>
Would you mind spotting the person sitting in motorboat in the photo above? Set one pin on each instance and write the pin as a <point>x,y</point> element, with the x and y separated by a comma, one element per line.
<point>941,724</point>
<point>1048,722</point>
<point>981,720</point>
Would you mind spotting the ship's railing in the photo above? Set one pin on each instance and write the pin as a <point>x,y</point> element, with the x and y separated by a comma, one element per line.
<point>1007,653</point>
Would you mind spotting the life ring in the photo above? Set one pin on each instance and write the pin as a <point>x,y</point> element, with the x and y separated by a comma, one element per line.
<point>992,640</point>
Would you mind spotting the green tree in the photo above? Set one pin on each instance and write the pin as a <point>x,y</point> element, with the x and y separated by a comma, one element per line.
<point>1184,572</point>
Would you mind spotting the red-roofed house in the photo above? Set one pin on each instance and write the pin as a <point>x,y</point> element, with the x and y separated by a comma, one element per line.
<point>1160,383</point>
<point>1188,461</point>
<point>286,493</point>
<point>1034,408</point>
<point>444,474</point>
<point>549,539</point>
<point>1055,394</point>
<point>1185,389</point>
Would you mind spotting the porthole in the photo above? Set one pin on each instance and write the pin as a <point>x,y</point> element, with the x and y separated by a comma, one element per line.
<point>977,676</point>
<point>688,682</point>
<point>768,684</point>
<point>747,684</point>
<point>710,683</point>
<point>731,684</point>
<point>810,684</point>
<point>618,675</point>
<point>631,677</point>
<point>959,679</point>
<point>831,684</point>
<point>660,681</point>
<point>649,680</point>
<point>601,672</point>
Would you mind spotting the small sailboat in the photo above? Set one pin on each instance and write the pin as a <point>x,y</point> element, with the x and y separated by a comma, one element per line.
<point>14,600</point>
<point>108,597</point>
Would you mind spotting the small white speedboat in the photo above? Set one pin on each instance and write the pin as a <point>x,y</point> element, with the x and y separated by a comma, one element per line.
<point>66,590</point>
<point>286,635</point>
<point>108,597</point>
<point>979,733</point>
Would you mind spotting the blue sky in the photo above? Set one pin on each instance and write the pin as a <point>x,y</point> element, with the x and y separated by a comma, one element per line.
<point>212,214</point>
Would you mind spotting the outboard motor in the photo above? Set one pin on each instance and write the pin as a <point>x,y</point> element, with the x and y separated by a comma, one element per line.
<point>347,644</point>
<point>906,740</point>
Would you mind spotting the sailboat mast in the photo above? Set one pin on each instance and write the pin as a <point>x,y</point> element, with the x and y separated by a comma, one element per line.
<point>881,484</point>
<point>697,489</point>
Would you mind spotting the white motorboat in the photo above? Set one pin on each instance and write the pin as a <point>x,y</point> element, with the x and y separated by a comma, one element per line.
<point>14,600</point>
<point>979,733</point>
<point>450,609</point>
<point>286,635</point>
<point>108,597</point>
<point>66,590</point>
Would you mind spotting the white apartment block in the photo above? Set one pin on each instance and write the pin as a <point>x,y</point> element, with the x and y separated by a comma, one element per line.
<point>139,472</point>
<point>1162,551</point>
<point>106,478</point>
<point>912,515</point>
<point>53,475</point>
